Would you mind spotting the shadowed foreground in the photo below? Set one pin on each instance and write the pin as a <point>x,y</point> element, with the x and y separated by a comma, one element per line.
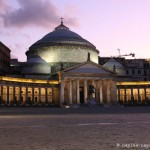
<point>101,128</point>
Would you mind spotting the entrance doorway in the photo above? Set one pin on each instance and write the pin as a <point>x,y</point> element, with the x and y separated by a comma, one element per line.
<point>81,95</point>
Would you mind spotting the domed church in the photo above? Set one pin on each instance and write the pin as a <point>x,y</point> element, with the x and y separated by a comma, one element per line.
<point>62,69</point>
<point>59,48</point>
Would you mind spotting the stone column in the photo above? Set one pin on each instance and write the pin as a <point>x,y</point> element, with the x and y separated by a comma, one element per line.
<point>74,91</point>
<point>39,95</point>
<point>145,94</point>
<point>26,97</point>
<point>7,95</point>
<point>114,92</point>
<point>1,96</point>
<point>139,97</point>
<point>119,95</point>
<point>61,92</point>
<point>93,94</point>
<point>46,100</point>
<point>70,91</point>
<point>85,90</point>
<point>19,95</point>
<point>97,91</point>
<point>14,98</point>
<point>125,95</point>
<point>101,91</point>
<point>78,91</point>
<point>132,98</point>
<point>1,93</point>
<point>32,95</point>
<point>53,99</point>
<point>108,91</point>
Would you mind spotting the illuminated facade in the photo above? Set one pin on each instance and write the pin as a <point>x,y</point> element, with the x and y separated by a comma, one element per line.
<point>72,88</point>
<point>60,68</point>
<point>75,81</point>
<point>23,92</point>
<point>133,92</point>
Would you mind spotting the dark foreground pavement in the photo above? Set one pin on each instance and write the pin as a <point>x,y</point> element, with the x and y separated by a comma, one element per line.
<point>80,110</point>
<point>99,128</point>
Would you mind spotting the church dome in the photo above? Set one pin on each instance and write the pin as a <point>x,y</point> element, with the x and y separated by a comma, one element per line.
<point>60,46</point>
<point>62,36</point>
<point>116,66</point>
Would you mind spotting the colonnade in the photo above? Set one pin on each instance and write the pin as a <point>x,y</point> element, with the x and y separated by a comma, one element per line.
<point>130,93</point>
<point>76,90</point>
<point>22,95</point>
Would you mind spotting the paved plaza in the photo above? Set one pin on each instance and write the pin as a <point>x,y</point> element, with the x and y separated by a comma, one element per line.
<point>100,128</point>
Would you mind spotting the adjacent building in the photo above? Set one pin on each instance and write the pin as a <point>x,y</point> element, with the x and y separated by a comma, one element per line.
<point>4,59</point>
<point>138,69</point>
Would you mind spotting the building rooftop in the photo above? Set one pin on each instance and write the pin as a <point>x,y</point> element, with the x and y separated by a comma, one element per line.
<point>62,36</point>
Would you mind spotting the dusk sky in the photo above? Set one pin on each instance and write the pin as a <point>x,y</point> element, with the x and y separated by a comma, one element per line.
<point>108,24</point>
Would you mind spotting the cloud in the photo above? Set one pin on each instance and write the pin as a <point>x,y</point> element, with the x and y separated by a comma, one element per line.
<point>74,11</point>
<point>3,9</point>
<point>2,5</point>
<point>72,21</point>
<point>33,13</point>
<point>17,51</point>
<point>19,20</point>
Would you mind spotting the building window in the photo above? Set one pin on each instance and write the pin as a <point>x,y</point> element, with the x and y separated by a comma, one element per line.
<point>145,79</point>
<point>146,65</point>
<point>144,72</point>
<point>133,71</point>
<point>127,72</point>
<point>139,71</point>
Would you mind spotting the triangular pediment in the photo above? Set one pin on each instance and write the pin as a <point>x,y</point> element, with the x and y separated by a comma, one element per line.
<point>89,67</point>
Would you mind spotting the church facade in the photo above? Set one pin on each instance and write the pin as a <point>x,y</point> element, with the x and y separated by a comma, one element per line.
<point>59,70</point>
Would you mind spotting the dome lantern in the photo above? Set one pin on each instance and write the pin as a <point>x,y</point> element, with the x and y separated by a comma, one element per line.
<point>61,26</point>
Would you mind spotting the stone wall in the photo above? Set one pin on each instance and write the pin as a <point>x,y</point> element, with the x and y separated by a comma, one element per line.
<point>65,54</point>
<point>36,68</point>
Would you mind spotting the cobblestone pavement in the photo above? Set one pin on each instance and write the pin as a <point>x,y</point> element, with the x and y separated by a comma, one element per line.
<point>102,128</point>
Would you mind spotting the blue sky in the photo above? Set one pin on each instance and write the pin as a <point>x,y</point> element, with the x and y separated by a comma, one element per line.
<point>108,24</point>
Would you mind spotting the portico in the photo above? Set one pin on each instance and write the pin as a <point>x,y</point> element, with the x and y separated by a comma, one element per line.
<point>75,83</point>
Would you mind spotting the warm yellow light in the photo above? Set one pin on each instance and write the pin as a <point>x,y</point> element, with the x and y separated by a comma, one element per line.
<point>23,80</point>
<point>134,83</point>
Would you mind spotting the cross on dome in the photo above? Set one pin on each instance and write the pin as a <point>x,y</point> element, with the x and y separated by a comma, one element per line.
<point>61,20</point>
<point>61,26</point>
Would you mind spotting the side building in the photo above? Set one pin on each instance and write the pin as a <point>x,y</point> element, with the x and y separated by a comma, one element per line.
<point>4,59</point>
<point>138,69</point>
